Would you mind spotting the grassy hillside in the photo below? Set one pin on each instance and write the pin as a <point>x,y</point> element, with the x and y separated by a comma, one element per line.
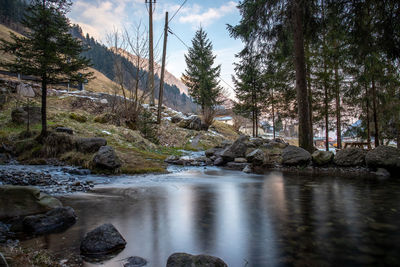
<point>138,154</point>
<point>99,84</point>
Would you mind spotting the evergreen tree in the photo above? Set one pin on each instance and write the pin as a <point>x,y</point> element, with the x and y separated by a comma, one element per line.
<point>249,88</point>
<point>267,22</point>
<point>200,76</point>
<point>47,50</point>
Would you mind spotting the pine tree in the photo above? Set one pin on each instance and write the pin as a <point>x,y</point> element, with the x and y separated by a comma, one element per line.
<point>200,76</point>
<point>47,50</point>
<point>249,88</point>
<point>267,22</point>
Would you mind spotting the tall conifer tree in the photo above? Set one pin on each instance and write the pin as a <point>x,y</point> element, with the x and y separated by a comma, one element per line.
<point>200,76</point>
<point>46,50</point>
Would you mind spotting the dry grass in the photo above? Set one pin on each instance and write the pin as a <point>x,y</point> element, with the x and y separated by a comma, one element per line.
<point>5,34</point>
<point>228,131</point>
<point>101,83</point>
<point>17,256</point>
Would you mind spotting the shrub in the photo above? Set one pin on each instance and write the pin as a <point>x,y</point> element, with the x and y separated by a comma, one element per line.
<point>78,117</point>
<point>147,127</point>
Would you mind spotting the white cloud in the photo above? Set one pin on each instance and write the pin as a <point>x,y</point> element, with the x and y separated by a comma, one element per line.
<point>99,17</point>
<point>195,17</point>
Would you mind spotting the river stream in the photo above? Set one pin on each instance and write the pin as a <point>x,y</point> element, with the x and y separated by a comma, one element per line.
<point>274,219</point>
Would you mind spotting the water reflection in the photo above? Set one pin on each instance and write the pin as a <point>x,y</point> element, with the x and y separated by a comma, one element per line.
<point>271,220</point>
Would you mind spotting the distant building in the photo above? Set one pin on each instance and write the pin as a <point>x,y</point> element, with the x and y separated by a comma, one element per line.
<point>225,119</point>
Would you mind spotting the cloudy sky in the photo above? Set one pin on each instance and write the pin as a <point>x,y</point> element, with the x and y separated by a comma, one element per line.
<point>99,17</point>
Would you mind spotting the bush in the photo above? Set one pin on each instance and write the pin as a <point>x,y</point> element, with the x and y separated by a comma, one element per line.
<point>78,117</point>
<point>147,127</point>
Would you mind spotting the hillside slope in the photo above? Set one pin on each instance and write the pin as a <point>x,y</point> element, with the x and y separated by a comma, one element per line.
<point>99,84</point>
<point>169,78</point>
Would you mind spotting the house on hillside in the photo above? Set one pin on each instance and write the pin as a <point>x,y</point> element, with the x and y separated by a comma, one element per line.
<point>225,119</point>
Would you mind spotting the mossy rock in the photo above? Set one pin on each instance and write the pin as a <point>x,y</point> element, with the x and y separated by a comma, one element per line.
<point>105,118</point>
<point>24,200</point>
<point>78,117</point>
<point>58,143</point>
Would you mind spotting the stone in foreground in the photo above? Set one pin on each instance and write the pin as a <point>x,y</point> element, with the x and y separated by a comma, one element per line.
<point>320,157</point>
<point>384,157</point>
<point>106,158</point>
<point>135,262</point>
<point>24,200</point>
<point>257,157</point>
<point>293,155</point>
<point>103,240</point>
<point>350,157</point>
<point>53,221</point>
<point>236,150</point>
<point>188,260</point>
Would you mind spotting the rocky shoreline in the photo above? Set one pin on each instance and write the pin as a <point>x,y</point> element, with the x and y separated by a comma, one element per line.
<point>67,179</point>
<point>258,155</point>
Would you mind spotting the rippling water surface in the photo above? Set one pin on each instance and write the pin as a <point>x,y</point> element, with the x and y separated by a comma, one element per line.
<point>247,220</point>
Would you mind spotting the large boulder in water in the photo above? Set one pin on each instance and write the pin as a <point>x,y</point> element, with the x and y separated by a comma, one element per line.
<point>236,150</point>
<point>320,157</point>
<point>90,145</point>
<point>20,115</point>
<point>383,157</point>
<point>215,151</point>
<point>350,157</point>
<point>293,155</point>
<point>24,200</point>
<point>106,158</point>
<point>188,260</point>
<point>256,157</point>
<point>135,262</point>
<point>103,240</point>
<point>55,220</point>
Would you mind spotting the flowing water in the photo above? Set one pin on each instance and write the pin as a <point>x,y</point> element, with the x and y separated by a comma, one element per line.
<point>274,219</point>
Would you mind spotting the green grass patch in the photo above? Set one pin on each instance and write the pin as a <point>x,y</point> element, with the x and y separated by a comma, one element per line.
<point>78,117</point>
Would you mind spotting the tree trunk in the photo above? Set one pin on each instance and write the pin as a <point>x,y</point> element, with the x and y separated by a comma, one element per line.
<point>367,107</point>
<point>326,109</point>
<point>374,110</point>
<point>338,113</point>
<point>273,114</point>
<point>44,107</point>
<point>256,121</point>
<point>305,134</point>
<point>308,70</point>
<point>253,99</point>
<point>398,137</point>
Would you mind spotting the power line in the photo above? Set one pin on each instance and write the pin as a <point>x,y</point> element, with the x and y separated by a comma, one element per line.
<point>170,31</point>
<point>178,38</point>
<point>226,83</point>
<point>159,39</point>
<point>176,12</point>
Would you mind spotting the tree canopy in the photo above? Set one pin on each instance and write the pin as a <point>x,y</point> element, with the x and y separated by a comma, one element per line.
<point>200,76</point>
<point>47,50</point>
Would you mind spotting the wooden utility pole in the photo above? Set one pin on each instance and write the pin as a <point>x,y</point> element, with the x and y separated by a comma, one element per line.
<point>151,57</point>
<point>160,96</point>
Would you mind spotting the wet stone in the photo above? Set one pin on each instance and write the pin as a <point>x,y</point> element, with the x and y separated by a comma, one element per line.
<point>135,262</point>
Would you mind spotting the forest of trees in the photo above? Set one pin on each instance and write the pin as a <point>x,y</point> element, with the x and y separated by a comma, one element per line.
<point>321,62</point>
